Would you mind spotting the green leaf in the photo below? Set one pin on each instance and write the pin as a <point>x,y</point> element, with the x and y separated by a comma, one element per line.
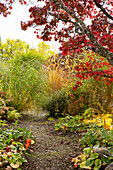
<point>24,129</point>
<point>17,155</point>
<point>106,160</point>
<point>87,151</point>
<point>24,160</point>
<point>16,123</point>
<point>8,141</point>
<point>98,162</point>
<point>32,142</point>
<point>50,119</point>
<point>89,162</point>
<point>96,168</point>
<point>94,156</point>
<point>12,159</point>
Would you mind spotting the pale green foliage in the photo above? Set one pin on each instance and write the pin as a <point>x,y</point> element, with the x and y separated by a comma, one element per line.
<point>12,47</point>
<point>12,115</point>
<point>45,50</point>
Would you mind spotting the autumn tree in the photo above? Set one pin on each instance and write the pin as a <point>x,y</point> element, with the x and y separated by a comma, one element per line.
<point>85,22</point>
<point>73,23</point>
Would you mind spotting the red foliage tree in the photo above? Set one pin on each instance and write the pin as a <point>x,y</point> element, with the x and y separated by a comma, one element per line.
<point>75,32</point>
<point>84,23</point>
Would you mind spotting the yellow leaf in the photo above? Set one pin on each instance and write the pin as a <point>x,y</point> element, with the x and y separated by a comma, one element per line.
<point>83,165</point>
<point>32,142</point>
<point>81,156</point>
<point>108,125</point>
<point>75,160</point>
<point>15,166</point>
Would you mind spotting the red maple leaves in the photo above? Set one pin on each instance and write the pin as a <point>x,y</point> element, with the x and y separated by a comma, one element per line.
<point>71,31</point>
<point>100,70</point>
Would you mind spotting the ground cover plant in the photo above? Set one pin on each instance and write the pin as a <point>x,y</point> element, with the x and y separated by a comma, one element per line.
<point>90,160</point>
<point>12,145</point>
<point>94,133</point>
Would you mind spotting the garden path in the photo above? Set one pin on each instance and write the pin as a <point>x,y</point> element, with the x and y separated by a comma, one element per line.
<point>52,149</point>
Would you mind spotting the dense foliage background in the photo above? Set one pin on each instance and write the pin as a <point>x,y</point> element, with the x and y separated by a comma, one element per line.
<point>39,77</point>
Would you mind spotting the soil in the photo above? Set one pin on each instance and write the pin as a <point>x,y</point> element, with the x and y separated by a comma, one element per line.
<point>52,149</point>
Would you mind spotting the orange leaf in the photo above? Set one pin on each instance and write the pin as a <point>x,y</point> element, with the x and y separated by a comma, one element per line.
<point>29,141</point>
<point>27,145</point>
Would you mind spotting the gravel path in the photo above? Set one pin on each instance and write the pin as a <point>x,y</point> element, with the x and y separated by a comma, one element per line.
<point>52,149</point>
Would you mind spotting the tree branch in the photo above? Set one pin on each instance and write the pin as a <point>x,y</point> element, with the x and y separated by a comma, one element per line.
<point>99,48</point>
<point>103,10</point>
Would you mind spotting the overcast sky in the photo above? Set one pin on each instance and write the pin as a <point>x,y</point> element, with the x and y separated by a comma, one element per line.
<point>10,26</point>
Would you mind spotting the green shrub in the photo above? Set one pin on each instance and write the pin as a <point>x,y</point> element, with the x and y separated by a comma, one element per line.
<point>56,103</point>
<point>7,113</point>
<point>70,124</point>
<point>13,115</point>
<point>97,136</point>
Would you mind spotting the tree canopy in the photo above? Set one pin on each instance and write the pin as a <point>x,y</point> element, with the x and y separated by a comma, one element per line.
<point>85,22</point>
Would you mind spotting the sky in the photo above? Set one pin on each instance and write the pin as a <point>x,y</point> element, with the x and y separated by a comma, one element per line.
<point>10,27</point>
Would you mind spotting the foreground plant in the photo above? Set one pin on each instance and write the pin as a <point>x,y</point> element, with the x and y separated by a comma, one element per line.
<point>12,141</point>
<point>97,136</point>
<point>73,124</point>
<point>93,135</point>
<point>91,160</point>
<point>28,141</point>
